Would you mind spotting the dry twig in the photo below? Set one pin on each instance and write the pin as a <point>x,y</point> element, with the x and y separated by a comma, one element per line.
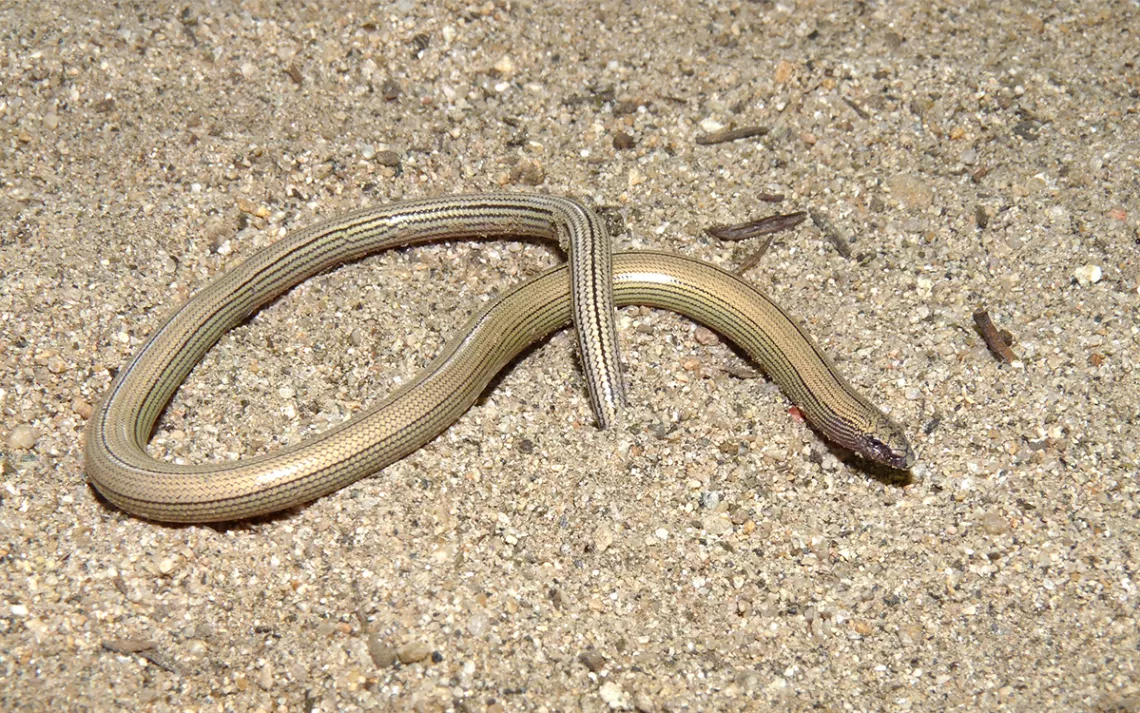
<point>756,228</point>
<point>998,341</point>
<point>829,231</point>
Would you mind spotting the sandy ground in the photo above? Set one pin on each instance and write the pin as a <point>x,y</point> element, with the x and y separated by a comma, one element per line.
<point>711,553</point>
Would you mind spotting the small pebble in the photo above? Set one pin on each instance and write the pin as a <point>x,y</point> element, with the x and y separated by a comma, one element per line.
<point>1087,275</point>
<point>716,524</point>
<point>613,695</point>
<point>528,172</point>
<point>390,89</point>
<point>382,654</point>
<point>413,652</point>
<point>710,499</point>
<point>390,159</point>
<point>81,408</point>
<point>505,66</point>
<point>477,625</point>
<point>705,336</point>
<point>994,524</point>
<point>729,447</point>
<point>784,71</point>
<point>592,660</point>
<point>196,648</point>
<point>22,438</point>
<point>623,141</point>
<point>711,126</point>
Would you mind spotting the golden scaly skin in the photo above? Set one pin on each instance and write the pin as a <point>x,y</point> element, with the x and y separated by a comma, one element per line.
<point>118,465</point>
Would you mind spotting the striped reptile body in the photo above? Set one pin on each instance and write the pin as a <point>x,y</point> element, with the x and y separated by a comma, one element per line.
<point>583,292</point>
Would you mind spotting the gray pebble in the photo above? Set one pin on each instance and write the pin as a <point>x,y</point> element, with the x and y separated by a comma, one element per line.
<point>388,158</point>
<point>710,499</point>
<point>994,524</point>
<point>390,89</point>
<point>382,654</point>
<point>196,648</point>
<point>413,652</point>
